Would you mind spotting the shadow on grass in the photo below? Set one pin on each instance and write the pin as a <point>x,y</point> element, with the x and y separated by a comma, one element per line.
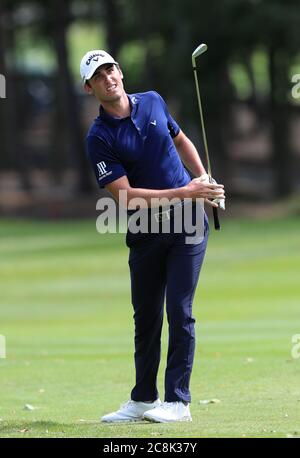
<point>52,428</point>
<point>19,426</point>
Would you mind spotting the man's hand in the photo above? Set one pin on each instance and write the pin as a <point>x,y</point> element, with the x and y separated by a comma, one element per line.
<point>220,202</point>
<point>216,202</point>
<point>202,188</point>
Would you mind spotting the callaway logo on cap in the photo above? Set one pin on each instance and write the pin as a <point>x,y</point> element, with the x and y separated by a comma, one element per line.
<point>92,60</point>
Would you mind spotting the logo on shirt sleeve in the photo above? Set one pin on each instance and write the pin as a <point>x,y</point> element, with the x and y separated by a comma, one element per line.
<point>102,170</point>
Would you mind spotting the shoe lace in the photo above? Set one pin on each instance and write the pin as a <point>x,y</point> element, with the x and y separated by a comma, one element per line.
<point>127,404</point>
<point>168,405</point>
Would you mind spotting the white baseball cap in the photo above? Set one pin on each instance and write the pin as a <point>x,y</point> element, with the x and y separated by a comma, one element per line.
<point>92,60</point>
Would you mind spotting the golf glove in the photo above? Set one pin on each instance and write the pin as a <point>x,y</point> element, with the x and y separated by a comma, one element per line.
<point>207,179</point>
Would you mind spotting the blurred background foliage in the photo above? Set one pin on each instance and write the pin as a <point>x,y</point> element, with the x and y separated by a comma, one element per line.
<point>252,119</point>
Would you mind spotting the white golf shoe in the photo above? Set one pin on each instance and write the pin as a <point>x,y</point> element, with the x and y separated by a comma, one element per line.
<point>130,411</point>
<point>169,411</point>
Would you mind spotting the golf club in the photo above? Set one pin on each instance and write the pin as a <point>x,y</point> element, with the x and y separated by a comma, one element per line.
<point>198,51</point>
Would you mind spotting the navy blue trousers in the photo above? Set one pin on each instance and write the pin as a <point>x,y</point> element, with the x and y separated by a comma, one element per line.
<point>164,267</point>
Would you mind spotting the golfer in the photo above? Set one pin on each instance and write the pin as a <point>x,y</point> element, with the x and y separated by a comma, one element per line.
<point>136,147</point>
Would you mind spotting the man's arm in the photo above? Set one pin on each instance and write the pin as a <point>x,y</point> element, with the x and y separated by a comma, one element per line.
<point>195,189</point>
<point>189,154</point>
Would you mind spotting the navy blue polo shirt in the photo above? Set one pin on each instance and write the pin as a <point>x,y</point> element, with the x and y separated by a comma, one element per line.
<point>140,146</point>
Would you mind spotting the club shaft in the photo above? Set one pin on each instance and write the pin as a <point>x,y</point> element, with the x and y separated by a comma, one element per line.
<point>215,210</point>
<point>202,122</point>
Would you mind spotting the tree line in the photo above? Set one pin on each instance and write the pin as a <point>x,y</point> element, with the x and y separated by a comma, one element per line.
<point>164,33</point>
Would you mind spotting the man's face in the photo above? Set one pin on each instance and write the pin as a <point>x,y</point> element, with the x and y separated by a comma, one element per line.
<point>106,83</point>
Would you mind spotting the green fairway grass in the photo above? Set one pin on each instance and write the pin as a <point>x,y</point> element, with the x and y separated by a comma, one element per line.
<point>66,314</point>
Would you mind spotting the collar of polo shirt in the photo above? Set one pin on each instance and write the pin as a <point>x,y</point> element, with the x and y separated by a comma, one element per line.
<point>133,100</point>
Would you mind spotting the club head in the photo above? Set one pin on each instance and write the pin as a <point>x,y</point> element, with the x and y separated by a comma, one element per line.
<point>200,50</point>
